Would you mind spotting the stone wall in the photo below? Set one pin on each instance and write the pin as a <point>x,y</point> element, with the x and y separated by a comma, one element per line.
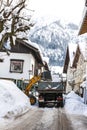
<point>79,73</point>
<point>75,76</point>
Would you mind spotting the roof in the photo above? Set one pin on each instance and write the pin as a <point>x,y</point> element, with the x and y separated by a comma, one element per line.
<point>81,49</point>
<point>70,54</point>
<point>22,46</point>
<point>76,58</point>
<point>82,46</point>
<point>35,50</point>
<point>85,2</point>
<point>83,23</point>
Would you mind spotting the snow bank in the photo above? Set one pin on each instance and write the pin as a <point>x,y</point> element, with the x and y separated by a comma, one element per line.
<point>74,104</point>
<point>13,102</point>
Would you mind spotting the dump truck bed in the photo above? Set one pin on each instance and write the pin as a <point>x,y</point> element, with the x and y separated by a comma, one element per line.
<point>50,93</point>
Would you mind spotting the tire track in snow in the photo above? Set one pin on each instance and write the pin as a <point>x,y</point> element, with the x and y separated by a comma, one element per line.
<point>25,122</point>
<point>47,119</point>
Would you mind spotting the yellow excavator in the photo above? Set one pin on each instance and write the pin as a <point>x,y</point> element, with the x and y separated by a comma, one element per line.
<point>43,76</point>
<point>32,81</point>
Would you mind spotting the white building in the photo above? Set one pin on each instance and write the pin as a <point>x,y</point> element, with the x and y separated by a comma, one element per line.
<point>23,62</point>
<point>68,69</point>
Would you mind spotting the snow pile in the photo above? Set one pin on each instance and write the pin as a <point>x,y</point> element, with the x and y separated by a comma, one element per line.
<point>12,101</point>
<point>74,104</point>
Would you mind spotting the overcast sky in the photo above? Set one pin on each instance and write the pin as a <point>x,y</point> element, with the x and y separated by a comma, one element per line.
<point>70,10</point>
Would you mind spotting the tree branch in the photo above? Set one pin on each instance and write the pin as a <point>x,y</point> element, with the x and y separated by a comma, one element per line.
<point>7,15</point>
<point>22,29</point>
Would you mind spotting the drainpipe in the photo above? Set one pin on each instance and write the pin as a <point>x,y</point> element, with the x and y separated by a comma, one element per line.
<point>85,87</point>
<point>85,95</point>
<point>86,69</point>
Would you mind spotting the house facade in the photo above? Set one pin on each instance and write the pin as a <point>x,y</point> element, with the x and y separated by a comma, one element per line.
<point>83,30</point>
<point>23,62</point>
<point>77,71</point>
<point>83,23</point>
<point>68,69</point>
<point>75,67</point>
<point>79,63</point>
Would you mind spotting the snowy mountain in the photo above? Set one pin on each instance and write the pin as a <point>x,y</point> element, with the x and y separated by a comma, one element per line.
<point>53,39</point>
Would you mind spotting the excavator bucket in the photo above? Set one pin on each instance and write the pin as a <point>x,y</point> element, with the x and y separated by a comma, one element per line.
<point>46,75</point>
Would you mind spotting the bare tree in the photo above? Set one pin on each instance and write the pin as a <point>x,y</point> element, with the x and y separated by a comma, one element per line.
<point>14,21</point>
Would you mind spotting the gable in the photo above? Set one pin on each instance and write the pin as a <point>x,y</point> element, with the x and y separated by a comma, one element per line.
<point>23,47</point>
<point>20,48</point>
<point>76,58</point>
<point>66,61</point>
<point>70,54</point>
<point>83,25</point>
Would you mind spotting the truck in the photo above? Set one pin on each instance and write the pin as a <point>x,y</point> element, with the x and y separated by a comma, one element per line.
<point>44,76</point>
<point>49,93</point>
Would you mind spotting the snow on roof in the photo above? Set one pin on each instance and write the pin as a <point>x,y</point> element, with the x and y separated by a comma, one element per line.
<point>72,51</point>
<point>32,44</point>
<point>13,102</point>
<point>46,59</point>
<point>82,46</point>
<point>74,104</point>
<point>82,20</point>
<point>39,49</point>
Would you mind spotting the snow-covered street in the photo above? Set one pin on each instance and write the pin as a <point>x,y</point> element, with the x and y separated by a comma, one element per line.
<point>43,65</point>
<point>35,119</point>
<point>17,113</point>
<point>79,122</point>
<point>39,119</point>
<point>46,119</point>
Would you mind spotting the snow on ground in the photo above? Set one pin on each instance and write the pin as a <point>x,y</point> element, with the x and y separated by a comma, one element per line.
<point>13,102</point>
<point>48,117</point>
<point>74,104</point>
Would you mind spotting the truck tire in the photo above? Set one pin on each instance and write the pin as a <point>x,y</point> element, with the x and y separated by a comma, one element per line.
<point>40,104</point>
<point>32,100</point>
<point>57,105</point>
<point>62,104</point>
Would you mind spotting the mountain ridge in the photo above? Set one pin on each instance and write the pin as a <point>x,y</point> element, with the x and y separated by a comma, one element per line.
<point>53,40</point>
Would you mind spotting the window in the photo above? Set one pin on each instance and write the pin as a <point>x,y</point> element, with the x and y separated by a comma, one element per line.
<point>32,68</point>
<point>16,66</point>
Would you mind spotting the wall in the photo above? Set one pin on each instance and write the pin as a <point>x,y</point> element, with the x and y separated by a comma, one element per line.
<point>69,79</point>
<point>79,73</point>
<point>76,74</point>
<point>5,66</point>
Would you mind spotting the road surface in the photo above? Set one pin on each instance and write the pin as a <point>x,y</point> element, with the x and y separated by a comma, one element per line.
<point>46,119</point>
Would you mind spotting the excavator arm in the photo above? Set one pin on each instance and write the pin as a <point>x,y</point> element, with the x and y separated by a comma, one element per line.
<point>35,79</point>
<point>32,81</point>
